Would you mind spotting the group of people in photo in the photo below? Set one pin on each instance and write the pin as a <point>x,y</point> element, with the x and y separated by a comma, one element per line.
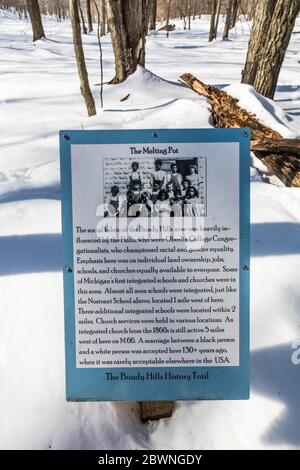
<point>169,193</point>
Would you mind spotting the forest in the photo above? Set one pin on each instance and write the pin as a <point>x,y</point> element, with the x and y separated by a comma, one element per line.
<point>131,65</point>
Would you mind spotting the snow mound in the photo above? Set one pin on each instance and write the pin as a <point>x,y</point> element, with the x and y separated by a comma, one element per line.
<point>145,100</point>
<point>144,87</point>
<point>266,110</point>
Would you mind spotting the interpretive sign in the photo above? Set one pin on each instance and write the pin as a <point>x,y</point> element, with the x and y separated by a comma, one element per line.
<point>156,263</point>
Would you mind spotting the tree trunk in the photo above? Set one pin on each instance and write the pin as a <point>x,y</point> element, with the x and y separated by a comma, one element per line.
<point>228,20</point>
<point>189,11</point>
<point>36,20</point>
<point>84,30</point>
<point>274,45</point>
<point>262,19</point>
<point>194,10</point>
<point>128,27</point>
<point>213,20</point>
<point>103,18</point>
<point>285,164</point>
<point>89,16</point>
<point>100,51</point>
<point>82,71</point>
<point>168,16</point>
<point>217,18</point>
<point>251,7</point>
<point>234,16</point>
<point>63,12</point>
<point>58,10</point>
<point>152,14</point>
<point>276,146</point>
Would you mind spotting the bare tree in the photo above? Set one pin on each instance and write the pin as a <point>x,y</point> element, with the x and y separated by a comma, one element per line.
<point>89,16</point>
<point>168,16</point>
<point>213,20</point>
<point>84,30</point>
<point>262,19</point>
<point>103,17</point>
<point>58,10</point>
<point>235,10</point>
<point>228,19</point>
<point>189,12</point>
<point>194,9</point>
<point>217,18</point>
<point>81,66</point>
<point>100,51</point>
<point>269,40</point>
<point>36,20</point>
<point>128,28</point>
<point>152,14</point>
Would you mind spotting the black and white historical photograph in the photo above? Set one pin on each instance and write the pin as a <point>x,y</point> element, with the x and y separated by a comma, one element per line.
<point>150,186</point>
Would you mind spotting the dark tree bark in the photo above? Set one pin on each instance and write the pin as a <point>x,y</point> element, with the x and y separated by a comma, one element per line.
<point>189,12</point>
<point>213,20</point>
<point>128,25</point>
<point>217,18</point>
<point>89,16</point>
<point>262,19</point>
<point>228,19</point>
<point>84,30</point>
<point>182,16</point>
<point>152,14</point>
<point>58,11</point>
<point>273,46</point>
<point>235,10</point>
<point>36,20</point>
<point>194,9</point>
<point>81,66</point>
<point>168,16</point>
<point>277,146</point>
<point>103,18</point>
<point>100,51</point>
<point>251,7</point>
<point>63,12</point>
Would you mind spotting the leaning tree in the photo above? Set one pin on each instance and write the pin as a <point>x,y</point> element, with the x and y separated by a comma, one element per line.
<point>81,66</point>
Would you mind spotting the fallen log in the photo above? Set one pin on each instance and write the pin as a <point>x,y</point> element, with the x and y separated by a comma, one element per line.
<point>167,27</point>
<point>281,156</point>
<point>276,146</point>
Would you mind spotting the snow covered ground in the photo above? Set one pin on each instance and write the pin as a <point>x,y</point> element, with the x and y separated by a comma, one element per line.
<point>39,95</point>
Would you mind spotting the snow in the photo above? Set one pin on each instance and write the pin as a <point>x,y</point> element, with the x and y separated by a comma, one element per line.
<point>267,112</point>
<point>39,95</point>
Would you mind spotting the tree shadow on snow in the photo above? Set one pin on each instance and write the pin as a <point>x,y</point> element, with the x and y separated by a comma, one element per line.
<point>275,238</point>
<point>45,192</point>
<point>273,374</point>
<point>22,254</point>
